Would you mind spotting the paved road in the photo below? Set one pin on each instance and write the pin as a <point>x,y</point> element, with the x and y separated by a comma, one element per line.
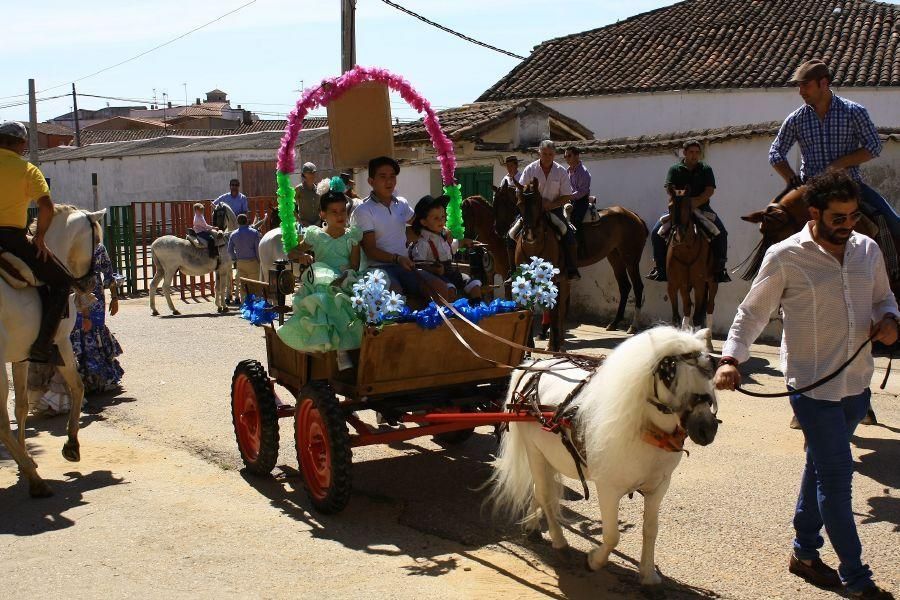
<point>159,505</point>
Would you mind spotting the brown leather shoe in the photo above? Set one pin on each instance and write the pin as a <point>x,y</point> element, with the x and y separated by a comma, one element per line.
<point>818,573</point>
<point>873,591</point>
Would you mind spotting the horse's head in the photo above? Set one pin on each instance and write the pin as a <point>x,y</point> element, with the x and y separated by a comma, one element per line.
<point>680,215</point>
<point>72,237</point>
<point>472,215</point>
<point>683,385</point>
<point>220,216</point>
<point>530,205</point>
<point>505,209</point>
<point>785,215</point>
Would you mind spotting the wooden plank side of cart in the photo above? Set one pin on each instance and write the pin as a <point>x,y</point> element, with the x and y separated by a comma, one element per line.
<point>403,357</point>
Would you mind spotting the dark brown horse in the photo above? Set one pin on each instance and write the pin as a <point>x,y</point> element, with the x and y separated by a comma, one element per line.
<point>538,238</point>
<point>478,217</point>
<point>689,265</point>
<point>618,235</point>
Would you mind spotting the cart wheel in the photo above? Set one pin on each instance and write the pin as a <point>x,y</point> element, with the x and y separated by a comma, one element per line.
<point>255,417</point>
<point>323,447</point>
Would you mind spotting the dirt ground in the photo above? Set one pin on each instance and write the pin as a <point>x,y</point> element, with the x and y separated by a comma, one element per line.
<point>159,506</point>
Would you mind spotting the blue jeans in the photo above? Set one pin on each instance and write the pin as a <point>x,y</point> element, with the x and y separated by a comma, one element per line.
<point>879,206</point>
<point>410,282</point>
<point>825,490</point>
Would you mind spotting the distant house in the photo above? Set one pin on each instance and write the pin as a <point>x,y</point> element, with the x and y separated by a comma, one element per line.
<point>483,133</point>
<point>51,135</point>
<point>174,167</point>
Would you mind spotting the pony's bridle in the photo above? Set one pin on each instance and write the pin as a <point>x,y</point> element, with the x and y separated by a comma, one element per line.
<point>665,372</point>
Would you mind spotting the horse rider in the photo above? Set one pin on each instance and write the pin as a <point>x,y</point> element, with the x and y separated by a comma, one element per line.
<point>698,183</point>
<point>513,177</point>
<point>580,180</point>
<point>828,312</point>
<point>833,133</point>
<point>555,190</point>
<point>20,183</point>
<point>234,199</point>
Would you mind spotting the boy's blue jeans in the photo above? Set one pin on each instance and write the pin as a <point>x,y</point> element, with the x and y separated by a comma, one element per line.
<point>825,490</point>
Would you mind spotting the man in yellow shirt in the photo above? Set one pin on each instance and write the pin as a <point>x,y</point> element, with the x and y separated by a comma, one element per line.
<point>21,183</point>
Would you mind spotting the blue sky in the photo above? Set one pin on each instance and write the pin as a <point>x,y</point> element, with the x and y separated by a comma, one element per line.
<point>261,54</point>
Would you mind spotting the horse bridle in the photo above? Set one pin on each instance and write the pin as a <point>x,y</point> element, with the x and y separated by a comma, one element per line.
<point>87,279</point>
<point>665,372</point>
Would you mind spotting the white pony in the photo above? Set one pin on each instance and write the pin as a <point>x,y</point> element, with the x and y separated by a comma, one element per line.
<point>72,237</point>
<point>172,254</point>
<point>628,424</point>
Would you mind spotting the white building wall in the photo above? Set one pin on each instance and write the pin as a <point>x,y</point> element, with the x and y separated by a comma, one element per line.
<point>745,183</point>
<point>626,115</point>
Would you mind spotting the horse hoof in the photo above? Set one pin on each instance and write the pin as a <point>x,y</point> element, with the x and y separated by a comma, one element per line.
<point>154,313</point>
<point>595,563</point>
<point>71,452</point>
<point>176,313</point>
<point>612,326</point>
<point>652,578</point>
<point>39,489</point>
<point>534,536</point>
<point>631,330</point>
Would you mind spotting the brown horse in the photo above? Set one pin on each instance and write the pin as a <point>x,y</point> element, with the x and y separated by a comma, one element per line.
<point>478,217</point>
<point>618,235</point>
<point>689,265</point>
<point>538,238</point>
<point>785,215</point>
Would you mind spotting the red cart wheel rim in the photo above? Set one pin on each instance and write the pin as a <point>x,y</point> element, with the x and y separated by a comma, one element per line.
<point>247,419</point>
<point>314,449</point>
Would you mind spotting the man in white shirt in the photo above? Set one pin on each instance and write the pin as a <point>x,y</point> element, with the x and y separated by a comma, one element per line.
<point>383,218</point>
<point>556,190</point>
<point>834,292</point>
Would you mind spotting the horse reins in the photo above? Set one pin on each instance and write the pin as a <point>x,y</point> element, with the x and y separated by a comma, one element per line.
<point>823,380</point>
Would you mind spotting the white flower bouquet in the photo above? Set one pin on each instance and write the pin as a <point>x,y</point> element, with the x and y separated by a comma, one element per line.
<point>532,284</point>
<point>372,299</point>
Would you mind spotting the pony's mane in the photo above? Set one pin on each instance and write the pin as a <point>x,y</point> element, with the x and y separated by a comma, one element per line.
<point>612,404</point>
<point>480,200</point>
<point>68,209</point>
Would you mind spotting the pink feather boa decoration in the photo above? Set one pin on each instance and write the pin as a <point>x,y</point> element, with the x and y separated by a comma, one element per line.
<point>330,89</point>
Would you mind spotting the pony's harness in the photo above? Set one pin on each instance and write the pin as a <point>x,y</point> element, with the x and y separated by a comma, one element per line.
<point>526,399</point>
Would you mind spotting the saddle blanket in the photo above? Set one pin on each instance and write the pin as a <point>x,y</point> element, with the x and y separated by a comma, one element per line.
<point>706,220</point>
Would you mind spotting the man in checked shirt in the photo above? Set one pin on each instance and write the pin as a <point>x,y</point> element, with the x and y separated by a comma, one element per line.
<point>833,133</point>
<point>833,288</point>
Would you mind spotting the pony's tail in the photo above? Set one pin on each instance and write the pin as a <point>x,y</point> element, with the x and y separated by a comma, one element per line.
<point>512,485</point>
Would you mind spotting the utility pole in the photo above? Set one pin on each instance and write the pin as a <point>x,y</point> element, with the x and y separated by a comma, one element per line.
<point>75,113</point>
<point>33,154</point>
<point>348,35</point>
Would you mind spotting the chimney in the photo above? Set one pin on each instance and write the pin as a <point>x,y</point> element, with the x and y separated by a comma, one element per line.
<point>198,101</point>
<point>239,106</point>
<point>170,104</point>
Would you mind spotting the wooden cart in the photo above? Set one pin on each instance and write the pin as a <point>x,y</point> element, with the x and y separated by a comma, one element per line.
<point>422,382</point>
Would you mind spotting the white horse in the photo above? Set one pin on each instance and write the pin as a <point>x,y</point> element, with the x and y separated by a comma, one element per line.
<point>72,237</point>
<point>271,249</point>
<point>628,424</point>
<point>172,254</point>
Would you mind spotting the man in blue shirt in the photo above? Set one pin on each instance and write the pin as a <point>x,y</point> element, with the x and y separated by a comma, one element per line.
<point>833,133</point>
<point>243,246</point>
<point>234,199</point>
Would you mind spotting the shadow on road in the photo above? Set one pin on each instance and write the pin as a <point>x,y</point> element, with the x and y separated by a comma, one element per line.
<point>24,516</point>
<point>439,493</point>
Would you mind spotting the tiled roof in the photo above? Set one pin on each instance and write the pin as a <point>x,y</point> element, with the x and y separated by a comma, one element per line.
<point>207,109</point>
<point>665,142</point>
<point>708,44</point>
<point>264,140</point>
<point>469,121</point>
<point>54,129</point>
<point>156,123</point>
<point>127,135</point>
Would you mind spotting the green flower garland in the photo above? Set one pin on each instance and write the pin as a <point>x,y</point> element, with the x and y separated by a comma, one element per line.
<point>454,211</point>
<point>289,237</point>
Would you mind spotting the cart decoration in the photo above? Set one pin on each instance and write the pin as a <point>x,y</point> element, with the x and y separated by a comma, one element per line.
<point>532,284</point>
<point>373,301</point>
<point>257,310</point>
<point>333,88</point>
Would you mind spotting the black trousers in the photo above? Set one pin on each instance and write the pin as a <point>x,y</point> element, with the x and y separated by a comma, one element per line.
<point>58,282</point>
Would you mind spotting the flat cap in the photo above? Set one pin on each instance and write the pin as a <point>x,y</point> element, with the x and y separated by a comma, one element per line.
<point>14,129</point>
<point>308,167</point>
<point>811,70</point>
<point>511,158</point>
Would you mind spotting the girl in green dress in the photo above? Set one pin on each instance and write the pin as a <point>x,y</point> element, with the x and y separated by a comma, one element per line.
<point>323,318</point>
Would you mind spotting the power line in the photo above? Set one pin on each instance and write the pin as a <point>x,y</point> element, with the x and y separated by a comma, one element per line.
<point>14,104</point>
<point>144,53</point>
<point>450,31</point>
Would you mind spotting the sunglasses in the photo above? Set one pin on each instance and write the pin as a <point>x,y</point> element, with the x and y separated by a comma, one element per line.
<point>841,219</point>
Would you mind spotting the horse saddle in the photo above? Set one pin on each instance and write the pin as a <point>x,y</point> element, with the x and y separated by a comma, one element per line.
<point>16,273</point>
<point>559,225</point>
<point>704,220</point>
<point>592,215</point>
<point>197,242</point>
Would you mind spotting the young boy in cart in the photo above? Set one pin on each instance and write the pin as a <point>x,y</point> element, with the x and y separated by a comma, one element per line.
<point>383,218</point>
